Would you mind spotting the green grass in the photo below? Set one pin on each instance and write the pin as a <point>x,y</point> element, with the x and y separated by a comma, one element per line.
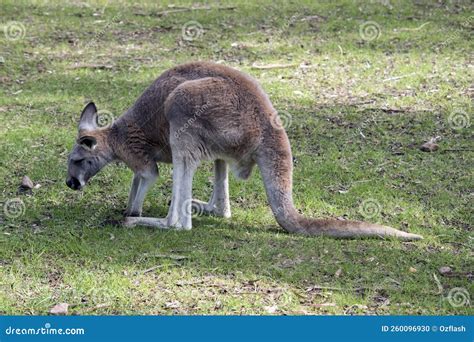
<point>358,113</point>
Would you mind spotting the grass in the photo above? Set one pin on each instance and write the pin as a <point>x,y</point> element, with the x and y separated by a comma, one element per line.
<point>356,114</point>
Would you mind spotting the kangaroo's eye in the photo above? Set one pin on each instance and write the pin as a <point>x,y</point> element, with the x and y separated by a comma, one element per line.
<point>78,161</point>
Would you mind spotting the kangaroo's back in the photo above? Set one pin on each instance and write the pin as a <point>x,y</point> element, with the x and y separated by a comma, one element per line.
<point>150,105</point>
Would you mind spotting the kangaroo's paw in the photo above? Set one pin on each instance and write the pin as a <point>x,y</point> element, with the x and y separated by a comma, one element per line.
<point>205,208</point>
<point>161,223</point>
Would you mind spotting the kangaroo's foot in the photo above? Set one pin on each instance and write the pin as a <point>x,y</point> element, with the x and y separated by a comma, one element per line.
<point>162,223</point>
<point>205,208</point>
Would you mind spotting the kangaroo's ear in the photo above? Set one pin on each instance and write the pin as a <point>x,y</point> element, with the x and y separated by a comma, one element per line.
<point>88,120</point>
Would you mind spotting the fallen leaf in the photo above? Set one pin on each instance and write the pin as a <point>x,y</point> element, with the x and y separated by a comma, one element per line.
<point>173,305</point>
<point>313,18</point>
<point>338,273</point>
<point>26,183</point>
<point>218,305</point>
<point>431,145</point>
<point>98,306</point>
<point>239,45</point>
<point>59,309</point>
<point>271,309</point>
<point>412,270</point>
<point>444,270</point>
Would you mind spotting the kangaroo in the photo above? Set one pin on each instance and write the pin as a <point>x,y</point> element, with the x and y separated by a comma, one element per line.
<point>191,113</point>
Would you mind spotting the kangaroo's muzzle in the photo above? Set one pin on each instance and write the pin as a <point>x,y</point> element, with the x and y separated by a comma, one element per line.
<point>73,183</point>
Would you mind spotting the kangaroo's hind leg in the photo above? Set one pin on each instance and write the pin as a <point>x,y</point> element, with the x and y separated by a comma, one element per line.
<point>219,204</point>
<point>180,211</point>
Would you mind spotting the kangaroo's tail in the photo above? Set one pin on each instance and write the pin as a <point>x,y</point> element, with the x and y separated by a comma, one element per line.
<point>276,164</point>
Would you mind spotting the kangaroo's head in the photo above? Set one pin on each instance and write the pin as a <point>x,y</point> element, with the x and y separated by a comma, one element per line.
<point>91,152</point>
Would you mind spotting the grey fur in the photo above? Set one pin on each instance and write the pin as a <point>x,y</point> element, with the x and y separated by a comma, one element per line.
<point>195,112</point>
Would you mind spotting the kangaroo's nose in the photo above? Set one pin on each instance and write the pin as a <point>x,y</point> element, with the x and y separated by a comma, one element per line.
<point>73,183</point>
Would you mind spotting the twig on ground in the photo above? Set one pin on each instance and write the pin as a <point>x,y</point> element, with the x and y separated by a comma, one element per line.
<point>319,287</point>
<point>457,150</point>
<point>187,9</point>
<point>414,29</point>
<point>170,256</point>
<point>398,77</point>
<point>273,66</point>
<point>340,49</point>
<point>153,268</point>
<point>383,164</point>
<point>91,66</point>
